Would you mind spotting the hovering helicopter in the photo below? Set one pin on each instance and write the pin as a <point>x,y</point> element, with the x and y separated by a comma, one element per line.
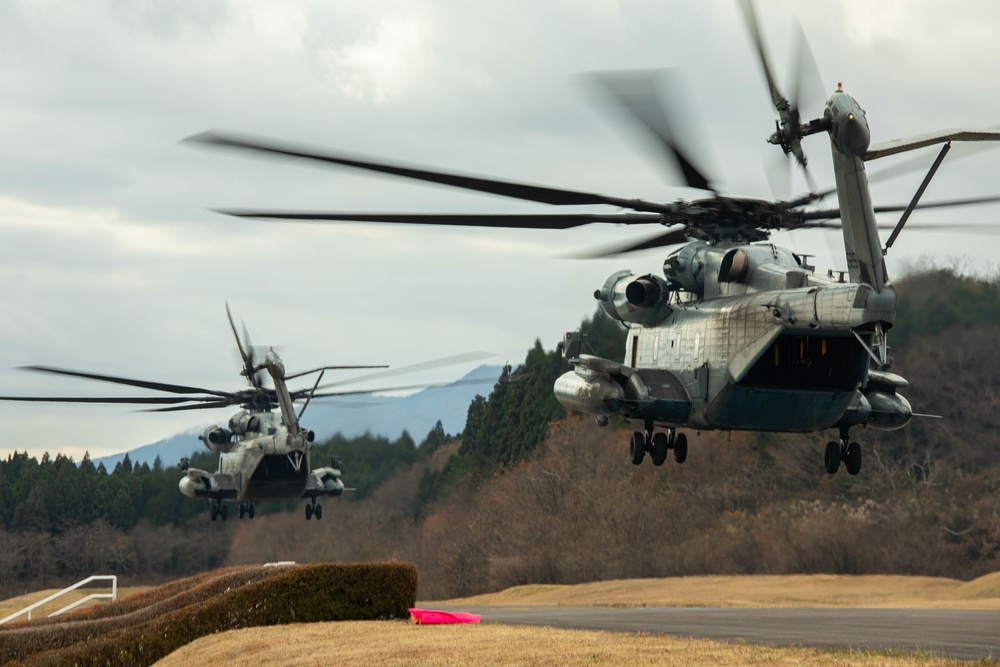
<point>263,456</point>
<point>738,334</point>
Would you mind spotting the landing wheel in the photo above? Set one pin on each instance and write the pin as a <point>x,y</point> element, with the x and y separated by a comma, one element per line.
<point>681,448</point>
<point>223,511</point>
<point>853,458</point>
<point>250,510</point>
<point>215,511</point>
<point>831,457</point>
<point>660,446</point>
<point>318,511</point>
<point>243,510</point>
<point>637,447</point>
<point>309,512</point>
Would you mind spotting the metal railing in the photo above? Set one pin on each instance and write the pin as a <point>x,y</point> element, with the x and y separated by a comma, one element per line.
<point>113,595</point>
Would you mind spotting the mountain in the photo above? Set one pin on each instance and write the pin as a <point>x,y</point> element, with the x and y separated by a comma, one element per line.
<point>380,415</point>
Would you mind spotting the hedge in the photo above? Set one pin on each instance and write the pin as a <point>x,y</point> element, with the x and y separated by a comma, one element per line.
<point>234,598</point>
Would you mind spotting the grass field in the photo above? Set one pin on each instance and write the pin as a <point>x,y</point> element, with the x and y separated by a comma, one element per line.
<point>392,643</point>
<point>872,591</point>
<point>399,643</point>
<point>396,643</point>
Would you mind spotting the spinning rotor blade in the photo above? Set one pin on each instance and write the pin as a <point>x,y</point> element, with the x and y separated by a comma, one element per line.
<point>750,17</point>
<point>545,195</point>
<point>109,399</point>
<point>358,392</point>
<point>250,371</point>
<point>248,365</point>
<point>635,93</point>
<point>156,386</point>
<point>516,221</point>
<point>200,406</point>
<point>669,238</point>
<point>321,369</point>
<point>829,214</point>
<point>423,366</point>
<point>790,132</point>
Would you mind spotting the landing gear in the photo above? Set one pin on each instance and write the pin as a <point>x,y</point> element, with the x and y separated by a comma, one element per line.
<point>658,445</point>
<point>246,509</point>
<point>831,458</point>
<point>219,509</point>
<point>848,452</point>
<point>853,459</point>
<point>314,509</point>
<point>637,447</point>
<point>680,447</point>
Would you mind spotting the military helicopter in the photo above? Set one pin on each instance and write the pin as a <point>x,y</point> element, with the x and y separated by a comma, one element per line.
<point>263,456</point>
<point>738,334</point>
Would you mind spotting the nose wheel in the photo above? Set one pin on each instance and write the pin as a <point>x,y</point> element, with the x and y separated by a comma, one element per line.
<point>658,445</point>
<point>842,450</point>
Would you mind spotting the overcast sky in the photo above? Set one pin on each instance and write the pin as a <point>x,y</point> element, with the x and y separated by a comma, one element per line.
<point>111,261</point>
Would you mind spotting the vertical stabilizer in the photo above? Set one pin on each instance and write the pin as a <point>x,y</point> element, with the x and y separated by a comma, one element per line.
<point>849,134</point>
<point>865,263</point>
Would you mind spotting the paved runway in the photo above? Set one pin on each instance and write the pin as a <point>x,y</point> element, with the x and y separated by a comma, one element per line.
<point>951,633</point>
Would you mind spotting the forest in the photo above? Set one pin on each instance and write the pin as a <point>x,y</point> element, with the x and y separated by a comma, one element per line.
<point>530,494</point>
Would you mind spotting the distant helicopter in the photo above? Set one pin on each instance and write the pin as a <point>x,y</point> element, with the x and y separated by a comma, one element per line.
<point>263,456</point>
<point>738,334</point>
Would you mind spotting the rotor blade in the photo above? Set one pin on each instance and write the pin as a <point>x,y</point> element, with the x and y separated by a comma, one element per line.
<point>292,376</point>
<point>827,214</point>
<point>750,18</point>
<point>200,406</point>
<point>358,392</point>
<point>254,374</point>
<point>964,227</point>
<point>243,354</point>
<point>671,237</point>
<point>515,221</point>
<point>423,366</point>
<point>154,400</point>
<point>807,82</point>
<point>157,386</point>
<point>545,195</point>
<point>635,92</point>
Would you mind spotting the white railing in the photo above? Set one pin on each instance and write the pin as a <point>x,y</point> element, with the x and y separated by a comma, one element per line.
<point>113,595</point>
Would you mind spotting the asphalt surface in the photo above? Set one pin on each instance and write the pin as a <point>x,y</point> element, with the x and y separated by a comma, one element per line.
<point>958,634</point>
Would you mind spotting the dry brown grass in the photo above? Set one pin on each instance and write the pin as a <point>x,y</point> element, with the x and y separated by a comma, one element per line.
<point>390,643</point>
<point>11,605</point>
<point>872,591</point>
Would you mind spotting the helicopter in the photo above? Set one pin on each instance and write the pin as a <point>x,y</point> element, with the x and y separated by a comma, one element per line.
<point>263,455</point>
<point>738,333</point>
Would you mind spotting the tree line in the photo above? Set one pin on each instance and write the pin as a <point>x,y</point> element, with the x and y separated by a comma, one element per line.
<point>527,495</point>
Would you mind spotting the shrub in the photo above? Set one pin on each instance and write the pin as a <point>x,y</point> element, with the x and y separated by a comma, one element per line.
<point>237,598</point>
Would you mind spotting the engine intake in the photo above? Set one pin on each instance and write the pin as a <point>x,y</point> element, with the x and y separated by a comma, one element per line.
<point>634,300</point>
<point>217,439</point>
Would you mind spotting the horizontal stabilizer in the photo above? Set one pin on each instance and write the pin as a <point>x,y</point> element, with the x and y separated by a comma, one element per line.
<point>895,146</point>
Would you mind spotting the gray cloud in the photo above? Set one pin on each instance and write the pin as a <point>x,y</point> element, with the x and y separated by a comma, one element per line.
<point>110,261</point>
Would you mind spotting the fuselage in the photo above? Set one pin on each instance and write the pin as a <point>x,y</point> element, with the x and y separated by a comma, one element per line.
<point>746,336</point>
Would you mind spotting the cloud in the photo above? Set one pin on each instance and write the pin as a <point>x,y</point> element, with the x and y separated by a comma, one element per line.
<point>385,62</point>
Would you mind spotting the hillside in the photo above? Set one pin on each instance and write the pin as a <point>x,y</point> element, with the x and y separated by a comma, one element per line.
<point>387,416</point>
<point>529,494</point>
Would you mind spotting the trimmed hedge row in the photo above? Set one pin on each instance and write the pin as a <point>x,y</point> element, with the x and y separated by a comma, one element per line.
<point>20,640</point>
<point>251,597</point>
